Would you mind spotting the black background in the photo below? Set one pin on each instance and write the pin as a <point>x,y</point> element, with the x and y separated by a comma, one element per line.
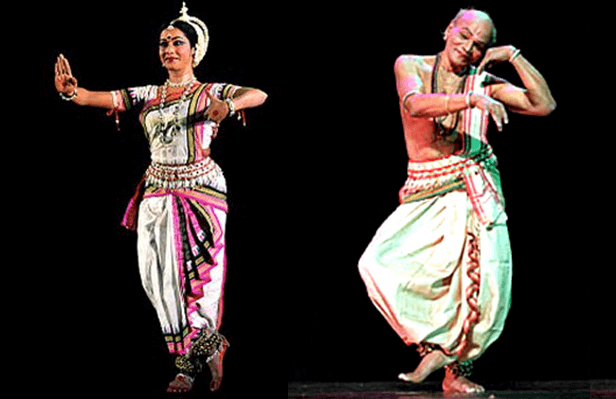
<point>311,178</point>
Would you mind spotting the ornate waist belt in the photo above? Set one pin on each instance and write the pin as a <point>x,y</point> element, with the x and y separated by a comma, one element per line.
<point>476,173</point>
<point>423,175</point>
<point>181,176</point>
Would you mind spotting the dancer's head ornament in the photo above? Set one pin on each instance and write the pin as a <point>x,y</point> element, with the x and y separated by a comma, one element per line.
<point>203,37</point>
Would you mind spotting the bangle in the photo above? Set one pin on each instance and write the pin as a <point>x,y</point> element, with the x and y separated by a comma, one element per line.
<point>69,98</point>
<point>231,106</point>
<point>114,100</point>
<point>515,54</point>
<point>468,99</point>
<point>407,95</point>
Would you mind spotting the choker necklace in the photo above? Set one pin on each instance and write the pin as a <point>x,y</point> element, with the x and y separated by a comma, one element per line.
<point>181,84</point>
<point>163,95</point>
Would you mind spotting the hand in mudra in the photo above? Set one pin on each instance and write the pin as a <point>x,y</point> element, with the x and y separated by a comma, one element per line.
<point>496,55</point>
<point>217,110</point>
<point>494,108</point>
<point>65,81</point>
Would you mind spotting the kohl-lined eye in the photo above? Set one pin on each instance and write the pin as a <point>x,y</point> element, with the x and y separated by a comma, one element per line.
<point>176,43</point>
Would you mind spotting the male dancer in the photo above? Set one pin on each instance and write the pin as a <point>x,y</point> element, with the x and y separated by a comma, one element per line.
<point>439,268</point>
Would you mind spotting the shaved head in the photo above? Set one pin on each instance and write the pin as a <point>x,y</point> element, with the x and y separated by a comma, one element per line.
<point>466,14</point>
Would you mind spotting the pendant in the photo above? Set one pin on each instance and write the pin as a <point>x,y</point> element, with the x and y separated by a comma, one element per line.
<point>167,128</point>
<point>168,132</point>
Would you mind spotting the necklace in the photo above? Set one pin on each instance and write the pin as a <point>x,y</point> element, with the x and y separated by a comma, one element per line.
<point>170,125</point>
<point>181,84</point>
<point>163,95</point>
<point>439,122</point>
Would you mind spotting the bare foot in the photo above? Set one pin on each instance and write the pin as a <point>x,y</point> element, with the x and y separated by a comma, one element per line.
<point>430,363</point>
<point>216,365</point>
<point>457,384</point>
<point>181,384</point>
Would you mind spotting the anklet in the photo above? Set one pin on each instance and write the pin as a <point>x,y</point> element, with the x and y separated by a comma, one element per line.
<point>460,369</point>
<point>207,347</point>
<point>185,366</point>
<point>202,351</point>
<point>425,348</point>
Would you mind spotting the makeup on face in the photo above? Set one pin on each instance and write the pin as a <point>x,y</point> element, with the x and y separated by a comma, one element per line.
<point>174,47</point>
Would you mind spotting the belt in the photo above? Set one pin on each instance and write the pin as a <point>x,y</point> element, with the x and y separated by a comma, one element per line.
<point>476,173</point>
<point>180,176</point>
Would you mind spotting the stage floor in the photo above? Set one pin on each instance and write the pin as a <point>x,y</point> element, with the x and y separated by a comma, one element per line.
<point>400,390</point>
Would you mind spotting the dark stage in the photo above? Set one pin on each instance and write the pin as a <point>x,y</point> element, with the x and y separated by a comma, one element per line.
<point>311,178</point>
<point>399,390</point>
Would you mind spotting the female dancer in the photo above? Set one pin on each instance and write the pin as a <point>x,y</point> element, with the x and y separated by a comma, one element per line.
<point>179,210</point>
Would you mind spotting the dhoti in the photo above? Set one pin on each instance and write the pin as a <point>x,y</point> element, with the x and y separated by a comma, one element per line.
<point>439,275</point>
<point>181,248</point>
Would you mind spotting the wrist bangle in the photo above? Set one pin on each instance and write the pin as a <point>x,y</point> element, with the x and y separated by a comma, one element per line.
<point>514,55</point>
<point>114,100</point>
<point>231,106</point>
<point>69,98</point>
<point>468,99</point>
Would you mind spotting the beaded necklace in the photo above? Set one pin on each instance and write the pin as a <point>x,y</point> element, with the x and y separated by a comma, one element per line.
<point>163,95</point>
<point>440,120</point>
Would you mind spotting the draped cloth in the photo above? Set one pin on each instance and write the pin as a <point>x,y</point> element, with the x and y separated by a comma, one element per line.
<point>179,211</point>
<point>181,246</point>
<point>439,268</point>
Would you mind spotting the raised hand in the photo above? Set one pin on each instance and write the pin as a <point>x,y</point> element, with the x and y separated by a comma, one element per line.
<point>64,81</point>
<point>496,55</point>
<point>218,110</point>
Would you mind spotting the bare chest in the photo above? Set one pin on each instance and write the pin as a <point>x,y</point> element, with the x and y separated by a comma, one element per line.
<point>426,139</point>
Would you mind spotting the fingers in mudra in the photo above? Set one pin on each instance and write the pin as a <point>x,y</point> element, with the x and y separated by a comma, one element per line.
<point>65,81</point>
<point>217,110</point>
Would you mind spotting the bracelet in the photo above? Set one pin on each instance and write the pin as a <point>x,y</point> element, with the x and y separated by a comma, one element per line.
<point>69,98</point>
<point>515,54</point>
<point>114,100</point>
<point>407,95</point>
<point>468,99</point>
<point>231,106</point>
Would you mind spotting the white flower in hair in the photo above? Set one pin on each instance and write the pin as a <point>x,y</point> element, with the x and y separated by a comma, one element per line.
<point>203,37</point>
